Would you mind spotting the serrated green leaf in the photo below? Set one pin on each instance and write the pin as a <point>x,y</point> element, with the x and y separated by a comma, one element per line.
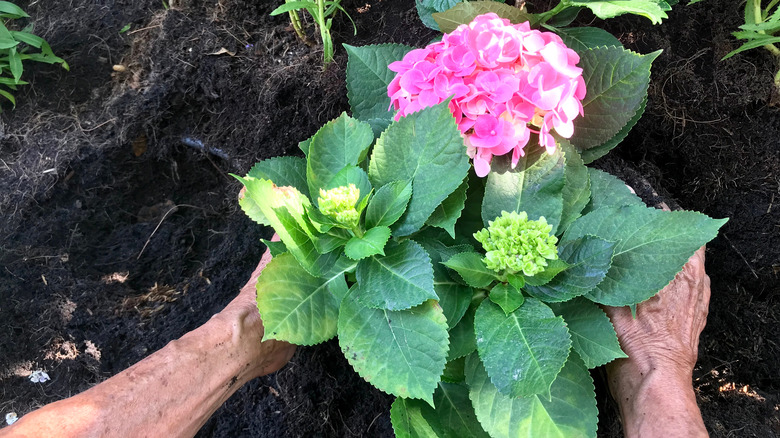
<point>427,149</point>
<point>340,143</point>
<point>350,175</point>
<point>571,412</point>
<point>564,18</point>
<point>275,247</point>
<point>406,416</point>
<point>388,204</point>
<point>507,297</point>
<point>368,78</point>
<point>400,279</point>
<point>594,153</point>
<point>524,351</point>
<point>399,352</point>
<point>589,259</point>
<point>617,81</point>
<point>646,237</point>
<point>463,341</point>
<point>580,39</point>
<point>608,191</point>
<point>448,212</point>
<point>426,15</point>
<point>284,210</point>
<point>592,335</point>
<point>283,171</point>
<point>471,268</point>
<point>576,190</point>
<point>534,186</point>
<point>295,306</point>
<point>465,12</point>
<point>304,145</point>
<point>455,413</point>
<point>554,267</point>
<point>651,9</point>
<point>758,41</point>
<point>372,243</point>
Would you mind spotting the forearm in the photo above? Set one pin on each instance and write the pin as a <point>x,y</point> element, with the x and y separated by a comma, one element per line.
<point>657,402</point>
<point>171,393</point>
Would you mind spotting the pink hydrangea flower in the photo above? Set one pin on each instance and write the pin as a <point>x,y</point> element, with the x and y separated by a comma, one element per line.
<point>506,81</point>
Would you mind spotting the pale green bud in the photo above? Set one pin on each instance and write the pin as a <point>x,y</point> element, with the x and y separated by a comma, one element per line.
<point>515,244</point>
<point>339,204</point>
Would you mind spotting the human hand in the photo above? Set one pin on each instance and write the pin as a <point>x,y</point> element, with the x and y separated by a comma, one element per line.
<point>653,385</point>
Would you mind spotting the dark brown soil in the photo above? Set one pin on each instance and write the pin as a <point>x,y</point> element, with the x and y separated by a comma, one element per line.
<point>117,237</point>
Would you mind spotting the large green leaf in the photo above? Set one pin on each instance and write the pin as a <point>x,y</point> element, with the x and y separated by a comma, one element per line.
<point>652,9</point>
<point>508,297</point>
<point>581,39</point>
<point>427,149</point>
<point>589,259</point>
<point>341,142</point>
<point>571,411</point>
<point>594,153</point>
<point>617,81</point>
<point>283,171</point>
<point>388,204</point>
<point>406,416</point>
<point>534,186</point>
<point>576,190</point>
<point>368,78</point>
<point>523,351</point>
<point>400,279</point>
<point>295,306</point>
<point>465,12</point>
<point>592,334</point>
<point>652,247</point>
<point>608,191</point>
<point>448,212</point>
<point>400,352</point>
<point>471,268</point>
<point>453,416</point>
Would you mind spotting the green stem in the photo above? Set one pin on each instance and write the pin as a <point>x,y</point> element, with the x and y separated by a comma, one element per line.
<point>295,21</point>
<point>546,16</point>
<point>357,231</point>
<point>757,18</point>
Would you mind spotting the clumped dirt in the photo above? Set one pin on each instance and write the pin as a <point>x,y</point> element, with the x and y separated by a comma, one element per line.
<point>119,230</point>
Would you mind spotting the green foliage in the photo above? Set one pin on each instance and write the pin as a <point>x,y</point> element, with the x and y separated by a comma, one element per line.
<point>468,350</point>
<point>17,47</point>
<point>761,29</point>
<point>323,12</point>
<point>448,19</point>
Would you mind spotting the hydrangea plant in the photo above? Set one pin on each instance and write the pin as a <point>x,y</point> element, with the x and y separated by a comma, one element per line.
<point>471,292</point>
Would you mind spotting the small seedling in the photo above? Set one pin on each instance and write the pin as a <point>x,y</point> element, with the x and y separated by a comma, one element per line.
<point>761,29</point>
<point>322,11</point>
<point>17,47</point>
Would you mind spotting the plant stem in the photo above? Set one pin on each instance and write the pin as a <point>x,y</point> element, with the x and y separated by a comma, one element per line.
<point>546,16</point>
<point>757,19</point>
<point>295,21</point>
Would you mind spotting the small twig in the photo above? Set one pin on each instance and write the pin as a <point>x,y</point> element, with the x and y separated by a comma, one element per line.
<point>143,29</point>
<point>96,127</point>
<point>740,254</point>
<point>165,216</point>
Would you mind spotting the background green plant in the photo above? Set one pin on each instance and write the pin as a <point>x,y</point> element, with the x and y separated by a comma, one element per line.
<point>322,11</point>
<point>16,47</point>
<point>761,29</point>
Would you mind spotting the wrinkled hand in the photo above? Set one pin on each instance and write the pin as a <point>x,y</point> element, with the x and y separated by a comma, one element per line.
<point>667,326</point>
<point>653,386</point>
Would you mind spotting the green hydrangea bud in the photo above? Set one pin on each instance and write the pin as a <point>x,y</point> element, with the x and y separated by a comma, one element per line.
<point>515,244</point>
<point>339,204</point>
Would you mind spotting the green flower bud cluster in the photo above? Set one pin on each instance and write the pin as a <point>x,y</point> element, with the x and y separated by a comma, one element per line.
<point>339,204</point>
<point>515,244</point>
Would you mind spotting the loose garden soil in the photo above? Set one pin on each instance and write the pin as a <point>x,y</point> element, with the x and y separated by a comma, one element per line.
<point>120,231</point>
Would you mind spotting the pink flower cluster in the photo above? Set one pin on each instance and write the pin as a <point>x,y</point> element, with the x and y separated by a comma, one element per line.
<point>506,81</point>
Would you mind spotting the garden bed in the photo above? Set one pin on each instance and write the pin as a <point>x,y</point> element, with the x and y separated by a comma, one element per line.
<point>119,233</point>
